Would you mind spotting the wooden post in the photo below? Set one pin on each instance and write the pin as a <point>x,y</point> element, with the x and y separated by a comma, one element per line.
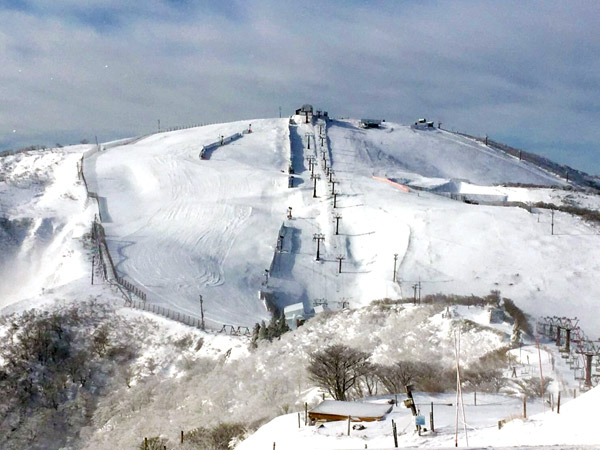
<point>395,434</point>
<point>413,408</point>
<point>588,369</point>
<point>305,413</point>
<point>182,436</point>
<point>524,407</point>
<point>298,421</point>
<point>273,445</point>
<point>431,425</point>
<point>574,392</point>
<point>558,404</point>
<point>348,425</point>
<point>145,443</point>
<point>202,310</point>
<point>475,398</point>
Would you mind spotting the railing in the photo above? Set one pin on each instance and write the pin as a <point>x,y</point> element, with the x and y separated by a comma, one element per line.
<point>207,150</point>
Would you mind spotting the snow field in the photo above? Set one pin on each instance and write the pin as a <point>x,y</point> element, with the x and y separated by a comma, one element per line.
<point>182,226</point>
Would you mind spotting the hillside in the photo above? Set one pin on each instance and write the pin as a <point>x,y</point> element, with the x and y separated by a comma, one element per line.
<point>182,227</point>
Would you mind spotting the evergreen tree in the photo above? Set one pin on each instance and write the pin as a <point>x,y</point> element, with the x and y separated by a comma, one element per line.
<point>255,334</point>
<point>282,325</point>
<point>263,332</point>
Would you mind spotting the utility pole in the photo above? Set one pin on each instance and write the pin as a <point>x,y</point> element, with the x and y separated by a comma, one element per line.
<point>414,286</point>
<point>395,262</point>
<point>337,223</point>
<point>308,139</point>
<point>552,222</point>
<point>202,312</point>
<point>315,177</point>
<point>158,124</point>
<point>331,175</point>
<point>419,286</point>
<point>280,112</point>
<point>310,163</point>
<point>93,262</point>
<point>340,258</point>
<point>333,186</point>
<point>335,199</point>
<point>318,237</point>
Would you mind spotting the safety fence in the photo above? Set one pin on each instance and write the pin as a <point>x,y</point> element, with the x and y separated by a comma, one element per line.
<point>562,171</point>
<point>186,319</point>
<point>207,150</point>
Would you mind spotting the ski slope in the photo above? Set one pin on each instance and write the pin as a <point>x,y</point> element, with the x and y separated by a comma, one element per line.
<point>180,227</point>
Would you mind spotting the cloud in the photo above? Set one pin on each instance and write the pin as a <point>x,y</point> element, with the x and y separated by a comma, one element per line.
<point>525,72</point>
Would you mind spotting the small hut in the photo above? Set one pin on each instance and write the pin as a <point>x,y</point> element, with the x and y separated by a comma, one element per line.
<point>370,123</point>
<point>294,315</point>
<point>331,410</point>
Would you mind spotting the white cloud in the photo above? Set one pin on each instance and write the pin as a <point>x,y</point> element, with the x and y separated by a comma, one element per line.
<point>504,68</point>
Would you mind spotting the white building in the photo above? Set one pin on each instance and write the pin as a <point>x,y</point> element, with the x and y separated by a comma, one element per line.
<point>294,315</point>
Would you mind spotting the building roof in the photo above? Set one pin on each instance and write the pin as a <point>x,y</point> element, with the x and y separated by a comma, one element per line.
<point>362,410</point>
<point>320,308</point>
<point>295,308</point>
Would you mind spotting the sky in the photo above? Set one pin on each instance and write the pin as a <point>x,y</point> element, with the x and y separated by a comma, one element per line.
<point>523,73</point>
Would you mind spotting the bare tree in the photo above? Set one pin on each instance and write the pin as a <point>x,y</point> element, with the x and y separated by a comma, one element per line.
<point>337,369</point>
<point>395,377</point>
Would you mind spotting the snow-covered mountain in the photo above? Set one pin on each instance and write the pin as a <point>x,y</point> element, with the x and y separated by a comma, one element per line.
<point>180,226</point>
<point>185,218</point>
